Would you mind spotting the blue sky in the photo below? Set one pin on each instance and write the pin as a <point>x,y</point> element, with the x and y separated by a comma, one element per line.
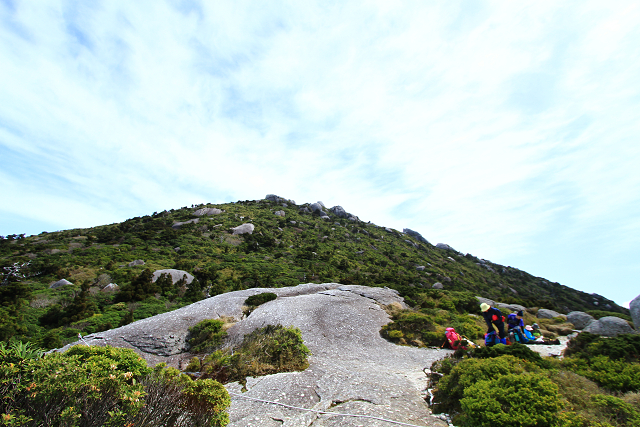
<point>508,130</point>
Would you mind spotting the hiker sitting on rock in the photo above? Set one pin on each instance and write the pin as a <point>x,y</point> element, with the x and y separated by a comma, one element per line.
<point>516,325</point>
<point>494,319</point>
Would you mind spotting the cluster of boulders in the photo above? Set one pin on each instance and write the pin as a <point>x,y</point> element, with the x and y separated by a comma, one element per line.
<point>608,326</point>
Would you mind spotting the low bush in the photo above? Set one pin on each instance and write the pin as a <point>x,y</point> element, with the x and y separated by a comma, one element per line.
<point>514,399</point>
<point>265,351</point>
<point>622,347</point>
<point>256,300</point>
<point>467,372</point>
<point>207,335</point>
<point>520,351</point>
<point>613,375</point>
<point>103,386</point>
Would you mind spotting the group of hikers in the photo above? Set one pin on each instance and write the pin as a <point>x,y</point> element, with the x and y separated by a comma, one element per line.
<point>517,331</point>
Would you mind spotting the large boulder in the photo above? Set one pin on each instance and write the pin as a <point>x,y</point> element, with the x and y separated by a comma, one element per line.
<point>280,213</point>
<point>60,283</point>
<point>339,212</point>
<point>317,208</point>
<point>610,326</point>
<point>208,211</point>
<point>246,228</point>
<point>278,199</point>
<point>511,307</point>
<point>415,235</point>
<point>175,275</point>
<point>352,369</point>
<point>545,313</point>
<point>444,246</point>
<point>580,319</point>
<point>634,307</point>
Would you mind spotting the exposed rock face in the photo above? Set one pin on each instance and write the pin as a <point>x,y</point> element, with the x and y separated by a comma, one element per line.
<point>511,307</point>
<point>580,319</point>
<point>444,246</point>
<point>59,283</point>
<point>415,235</point>
<point>176,275</point>
<point>111,287</point>
<point>610,326</point>
<point>317,207</point>
<point>207,211</point>
<point>278,199</point>
<point>180,224</point>
<point>246,228</point>
<point>352,368</point>
<point>136,262</point>
<point>544,313</point>
<point>339,212</point>
<point>634,307</point>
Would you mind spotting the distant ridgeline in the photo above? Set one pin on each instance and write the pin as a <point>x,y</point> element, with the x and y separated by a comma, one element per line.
<point>55,285</point>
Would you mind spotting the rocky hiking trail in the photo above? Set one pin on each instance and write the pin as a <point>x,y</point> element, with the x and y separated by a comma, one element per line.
<point>353,370</point>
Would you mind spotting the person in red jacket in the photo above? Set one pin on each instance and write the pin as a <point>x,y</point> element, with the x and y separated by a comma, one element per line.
<point>494,319</point>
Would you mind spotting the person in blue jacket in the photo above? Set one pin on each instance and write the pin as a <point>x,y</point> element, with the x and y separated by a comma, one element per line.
<point>516,325</point>
<point>494,319</point>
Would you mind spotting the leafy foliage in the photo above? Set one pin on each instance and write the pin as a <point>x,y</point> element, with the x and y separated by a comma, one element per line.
<point>524,399</point>
<point>298,248</point>
<point>265,351</point>
<point>103,386</point>
<point>206,335</point>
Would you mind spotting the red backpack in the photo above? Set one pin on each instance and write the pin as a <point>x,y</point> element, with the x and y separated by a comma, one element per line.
<point>454,339</point>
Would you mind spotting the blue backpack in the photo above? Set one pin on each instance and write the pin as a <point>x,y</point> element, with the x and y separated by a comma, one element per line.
<point>491,338</point>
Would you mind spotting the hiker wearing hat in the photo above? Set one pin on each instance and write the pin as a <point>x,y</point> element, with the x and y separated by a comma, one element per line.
<point>494,319</point>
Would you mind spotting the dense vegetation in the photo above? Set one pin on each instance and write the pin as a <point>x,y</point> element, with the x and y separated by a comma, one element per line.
<point>102,386</point>
<point>298,248</point>
<point>514,386</point>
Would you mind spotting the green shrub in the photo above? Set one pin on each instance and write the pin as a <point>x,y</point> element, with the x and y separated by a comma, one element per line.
<point>451,387</point>
<point>103,386</point>
<point>616,411</point>
<point>520,351</point>
<point>614,375</point>
<point>522,399</point>
<point>255,300</point>
<point>265,351</point>
<point>206,335</point>
<point>622,347</point>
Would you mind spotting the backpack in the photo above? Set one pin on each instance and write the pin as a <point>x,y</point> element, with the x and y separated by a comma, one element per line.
<point>454,339</point>
<point>512,320</point>
<point>491,338</point>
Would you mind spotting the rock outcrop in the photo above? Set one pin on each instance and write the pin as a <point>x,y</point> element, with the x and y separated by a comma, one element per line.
<point>580,319</point>
<point>610,326</point>
<point>136,262</point>
<point>445,247</point>
<point>415,235</point>
<point>352,370</point>
<point>176,275</point>
<point>545,313</point>
<point>60,283</point>
<point>207,211</point>
<point>634,307</point>
<point>246,228</point>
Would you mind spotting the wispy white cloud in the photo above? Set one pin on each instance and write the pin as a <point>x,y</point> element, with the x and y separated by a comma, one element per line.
<point>506,130</point>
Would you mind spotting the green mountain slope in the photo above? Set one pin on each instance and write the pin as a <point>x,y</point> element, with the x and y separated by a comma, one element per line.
<point>298,247</point>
